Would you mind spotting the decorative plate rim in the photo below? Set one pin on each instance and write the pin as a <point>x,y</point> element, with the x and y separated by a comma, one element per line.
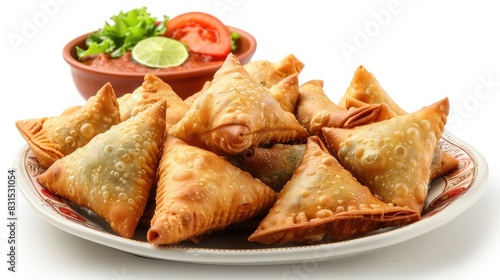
<point>467,186</point>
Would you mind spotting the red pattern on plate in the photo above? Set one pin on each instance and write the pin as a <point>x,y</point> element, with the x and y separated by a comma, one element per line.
<point>456,182</point>
<point>59,205</point>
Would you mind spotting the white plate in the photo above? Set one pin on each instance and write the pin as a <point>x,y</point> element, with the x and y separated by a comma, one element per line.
<point>448,196</point>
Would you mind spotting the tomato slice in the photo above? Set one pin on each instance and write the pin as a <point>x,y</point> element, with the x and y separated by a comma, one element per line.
<point>202,33</point>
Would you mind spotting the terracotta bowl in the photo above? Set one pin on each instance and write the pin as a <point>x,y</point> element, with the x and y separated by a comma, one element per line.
<point>88,80</point>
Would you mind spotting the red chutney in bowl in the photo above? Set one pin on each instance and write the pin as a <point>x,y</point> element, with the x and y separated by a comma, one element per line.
<point>125,76</point>
<point>125,63</point>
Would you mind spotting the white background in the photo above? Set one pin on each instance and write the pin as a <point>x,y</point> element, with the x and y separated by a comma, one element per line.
<point>420,51</point>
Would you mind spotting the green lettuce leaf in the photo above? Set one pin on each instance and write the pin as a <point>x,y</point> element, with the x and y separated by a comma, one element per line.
<point>127,30</point>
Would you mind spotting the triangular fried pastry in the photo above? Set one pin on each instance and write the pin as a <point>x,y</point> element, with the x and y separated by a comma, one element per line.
<point>236,113</point>
<point>393,157</point>
<point>442,163</point>
<point>269,73</point>
<point>323,202</point>
<point>198,191</point>
<point>315,110</point>
<point>275,165</point>
<point>286,92</point>
<point>129,104</point>
<point>365,88</point>
<point>152,90</point>
<point>112,175</point>
<point>55,137</point>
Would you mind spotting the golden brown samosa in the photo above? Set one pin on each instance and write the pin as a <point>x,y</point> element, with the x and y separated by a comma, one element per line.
<point>268,73</point>
<point>286,92</point>
<point>442,163</point>
<point>274,165</point>
<point>365,90</point>
<point>392,157</point>
<point>56,137</point>
<point>198,192</point>
<point>323,202</point>
<point>315,110</point>
<point>236,113</point>
<point>152,90</point>
<point>112,175</point>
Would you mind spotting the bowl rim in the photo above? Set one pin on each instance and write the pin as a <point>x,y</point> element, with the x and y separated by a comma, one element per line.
<point>75,63</point>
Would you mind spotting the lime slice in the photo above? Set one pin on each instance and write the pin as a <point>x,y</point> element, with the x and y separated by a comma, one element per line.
<point>160,52</point>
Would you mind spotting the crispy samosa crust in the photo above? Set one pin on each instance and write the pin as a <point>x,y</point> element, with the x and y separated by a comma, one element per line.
<point>152,90</point>
<point>268,73</point>
<point>286,92</point>
<point>198,192</point>
<point>365,90</point>
<point>323,202</point>
<point>442,163</point>
<point>236,113</point>
<point>56,137</point>
<point>392,157</point>
<point>314,110</point>
<point>275,165</point>
<point>112,175</point>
